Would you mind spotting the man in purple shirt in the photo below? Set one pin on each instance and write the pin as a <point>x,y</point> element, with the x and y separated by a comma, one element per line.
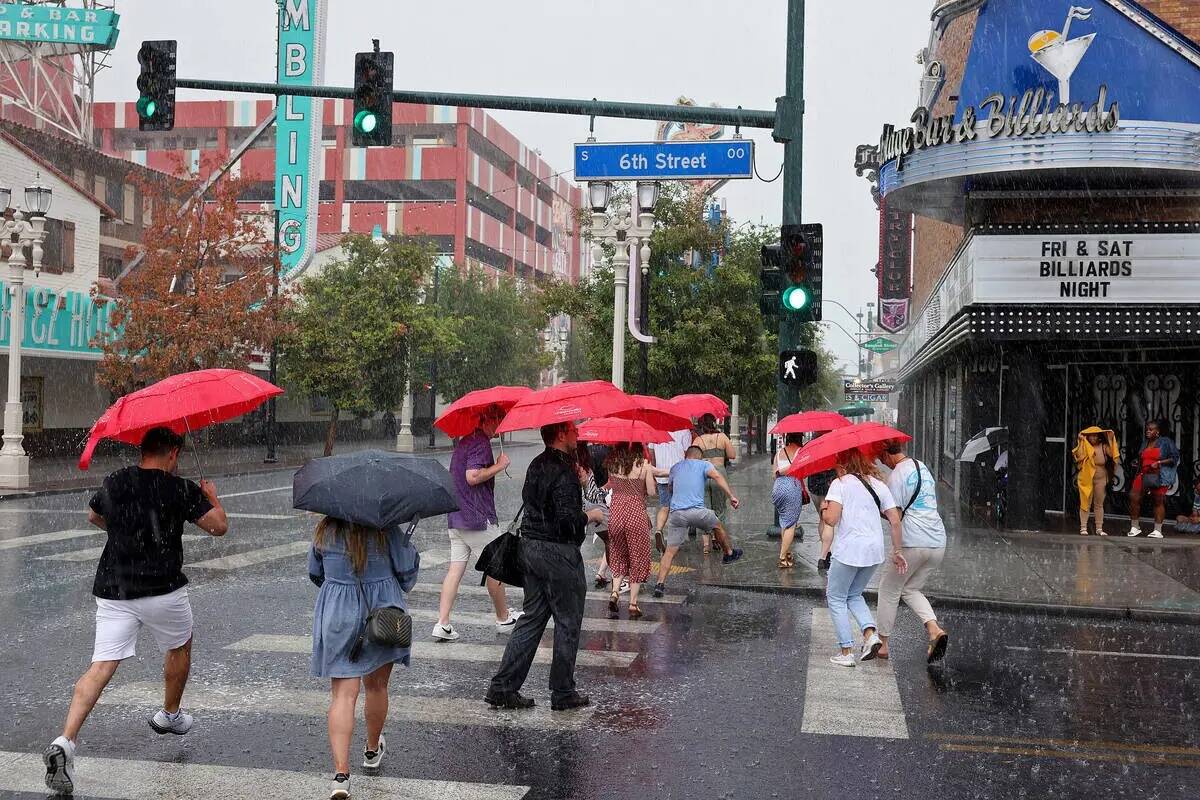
<point>475,523</point>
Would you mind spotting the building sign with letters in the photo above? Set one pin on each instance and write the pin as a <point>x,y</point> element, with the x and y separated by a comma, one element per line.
<point>62,323</point>
<point>895,267</point>
<point>33,415</point>
<point>89,29</point>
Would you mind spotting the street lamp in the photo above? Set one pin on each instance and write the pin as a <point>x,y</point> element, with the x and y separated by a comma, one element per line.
<point>19,230</point>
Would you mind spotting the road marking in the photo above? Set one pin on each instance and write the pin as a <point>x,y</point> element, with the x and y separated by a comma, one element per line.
<point>645,599</point>
<point>431,559</point>
<point>93,553</point>
<point>127,779</point>
<point>1062,744</point>
<point>1115,653</point>
<point>434,651</point>
<point>238,515</point>
<point>53,536</point>
<point>252,557</point>
<point>1073,755</point>
<point>487,619</point>
<point>256,491</point>
<point>404,706</point>
<point>848,701</point>
<point>43,510</point>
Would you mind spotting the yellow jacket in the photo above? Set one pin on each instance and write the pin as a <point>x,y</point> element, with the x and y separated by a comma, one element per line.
<point>1086,464</point>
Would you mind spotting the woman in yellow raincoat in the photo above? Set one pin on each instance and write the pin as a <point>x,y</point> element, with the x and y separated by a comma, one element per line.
<point>1095,457</point>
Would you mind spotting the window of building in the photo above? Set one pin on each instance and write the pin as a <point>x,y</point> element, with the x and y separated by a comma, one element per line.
<point>545,193</point>
<point>950,437</point>
<point>524,225</point>
<point>543,237</point>
<point>488,255</point>
<point>58,248</point>
<point>80,177</point>
<point>170,143</point>
<point>488,151</point>
<point>114,196</point>
<point>188,143</point>
<point>100,192</point>
<point>129,203</point>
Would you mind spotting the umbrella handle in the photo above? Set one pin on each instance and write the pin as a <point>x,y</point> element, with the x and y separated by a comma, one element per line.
<point>195,451</point>
<point>501,437</point>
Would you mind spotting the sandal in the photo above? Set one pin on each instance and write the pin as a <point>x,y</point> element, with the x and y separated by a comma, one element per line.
<point>601,581</point>
<point>612,604</point>
<point>937,648</point>
<point>786,563</point>
<point>634,612</point>
<point>707,547</point>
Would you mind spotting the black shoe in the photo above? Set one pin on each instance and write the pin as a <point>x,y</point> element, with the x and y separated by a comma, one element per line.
<point>510,700</point>
<point>732,557</point>
<point>601,581</point>
<point>573,700</point>
<point>659,589</point>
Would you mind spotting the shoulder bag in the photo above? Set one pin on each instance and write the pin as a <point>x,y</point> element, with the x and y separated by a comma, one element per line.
<point>386,626</point>
<point>916,493</point>
<point>500,559</point>
<point>867,485</point>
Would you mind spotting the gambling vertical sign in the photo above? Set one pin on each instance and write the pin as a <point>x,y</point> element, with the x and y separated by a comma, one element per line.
<point>298,131</point>
<point>895,267</point>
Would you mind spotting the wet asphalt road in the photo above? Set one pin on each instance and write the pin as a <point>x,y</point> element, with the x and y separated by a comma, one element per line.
<point>724,695</point>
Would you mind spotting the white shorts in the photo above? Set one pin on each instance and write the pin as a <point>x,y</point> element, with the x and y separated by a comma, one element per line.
<point>465,543</point>
<point>168,616</point>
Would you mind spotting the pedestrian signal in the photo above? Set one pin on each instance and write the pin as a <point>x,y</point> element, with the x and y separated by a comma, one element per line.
<point>798,368</point>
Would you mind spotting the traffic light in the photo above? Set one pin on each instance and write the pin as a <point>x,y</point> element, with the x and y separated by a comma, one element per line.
<point>771,283</point>
<point>798,368</point>
<point>372,125</point>
<point>156,86</point>
<point>802,253</point>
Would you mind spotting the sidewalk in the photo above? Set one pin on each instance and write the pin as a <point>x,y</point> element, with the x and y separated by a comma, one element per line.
<point>1045,572</point>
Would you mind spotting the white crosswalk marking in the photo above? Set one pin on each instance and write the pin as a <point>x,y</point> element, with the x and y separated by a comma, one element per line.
<point>849,701</point>
<point>256,491</point>
<point>432,651</point>
<point>239,515</point>
<point>252,557</point>
<point>403,706</point>
<point>431,559</point>
<point>468,589</point>
<point>127,779</point>
<point>488,619</point>
<point>53,536</point>
<point>93,553</point>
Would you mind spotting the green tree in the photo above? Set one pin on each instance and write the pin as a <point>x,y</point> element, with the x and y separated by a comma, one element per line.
<point>356,325</point>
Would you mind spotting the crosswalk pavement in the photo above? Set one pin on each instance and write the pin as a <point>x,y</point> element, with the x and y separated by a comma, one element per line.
<point>480,591</point>
<point>52,536</point>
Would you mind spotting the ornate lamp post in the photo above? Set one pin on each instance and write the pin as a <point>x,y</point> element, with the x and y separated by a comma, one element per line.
<point>19,230</point>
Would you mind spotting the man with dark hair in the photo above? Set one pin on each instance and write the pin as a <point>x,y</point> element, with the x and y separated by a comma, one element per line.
<point>140,582</point>
<point>552,529</point>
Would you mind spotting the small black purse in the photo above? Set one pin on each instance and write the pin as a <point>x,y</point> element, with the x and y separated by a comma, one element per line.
<point>387,626</point>
<point>500,559</point>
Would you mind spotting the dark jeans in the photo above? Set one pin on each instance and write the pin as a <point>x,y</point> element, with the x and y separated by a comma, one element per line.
<point>554,586</point>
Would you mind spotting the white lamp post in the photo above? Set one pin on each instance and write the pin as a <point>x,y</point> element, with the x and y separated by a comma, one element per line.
<point>19,230</point>
<point>618,229</point>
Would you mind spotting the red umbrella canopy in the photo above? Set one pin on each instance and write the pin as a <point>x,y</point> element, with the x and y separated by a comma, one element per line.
<point>566,402</point>
<point>190,401</point>
<point>811,422</point>
<point>462,417</point>
<point>609,430</point>
<point>822,453</point>
<point>697,405</point>
<point>659,414</point>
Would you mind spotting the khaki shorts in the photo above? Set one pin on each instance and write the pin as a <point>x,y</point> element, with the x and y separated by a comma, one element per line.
<point>464,544</point>
<point>679,522</point>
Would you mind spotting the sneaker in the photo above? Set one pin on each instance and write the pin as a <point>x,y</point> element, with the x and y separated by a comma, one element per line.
<point>446,633</point>
<point>1155,534</point>
<point>659,589</point>
<point>1135,531</point>
<point>510,700</point>
<point>178,723</point>
<point>373,758</point>
<point>871,647</point>
<point>571,701</point>
<point>846,660</point>
<point>506,626</point>
<point>624,586</point>
<point>340,788</point>
<point>660,543</point>
<point>59,759</point>
<point>732,557</point>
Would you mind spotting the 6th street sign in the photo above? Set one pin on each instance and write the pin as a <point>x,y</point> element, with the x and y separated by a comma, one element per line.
<point>631,161</point>
<point>880,345</point>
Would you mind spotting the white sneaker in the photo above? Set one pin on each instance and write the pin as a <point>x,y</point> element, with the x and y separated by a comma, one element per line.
<point>178,723</point>
<point>624,586</point>
<point>373,758</point>
<point>59,759</point>
<point>340,788</point>
<point>846,660</point>
<point>444,633</point>
<point>1155,534</point>
<point>1134,532</point>
<point>506,626</point>
<point>871,647</point>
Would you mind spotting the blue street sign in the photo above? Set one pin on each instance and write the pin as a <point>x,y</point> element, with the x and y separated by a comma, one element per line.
<point>629,161</point>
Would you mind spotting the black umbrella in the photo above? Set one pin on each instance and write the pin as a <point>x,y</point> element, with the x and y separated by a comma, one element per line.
<point>374,488</point>
<point>987,439</point>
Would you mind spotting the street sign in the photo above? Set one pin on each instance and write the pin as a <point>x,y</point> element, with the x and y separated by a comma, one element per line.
<point>798,368</point>
<point>630,161</point>
<point>862,397</point>
<point>881,345</point>
<point>856,386</point>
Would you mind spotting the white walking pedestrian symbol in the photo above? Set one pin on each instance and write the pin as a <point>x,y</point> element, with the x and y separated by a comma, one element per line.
<point>789,368</point>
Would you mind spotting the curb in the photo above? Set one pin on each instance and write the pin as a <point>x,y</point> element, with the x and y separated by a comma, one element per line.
<point>990,604</point>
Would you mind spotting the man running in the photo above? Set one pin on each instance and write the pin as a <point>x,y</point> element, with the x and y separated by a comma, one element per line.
<point>140,582</point>
<point>687,481</point>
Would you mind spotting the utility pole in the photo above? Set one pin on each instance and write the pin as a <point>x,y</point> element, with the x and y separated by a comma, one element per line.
<point>437,271</point>
<point>644,354</point>
<point>271,364</point>
<point>789,128</point>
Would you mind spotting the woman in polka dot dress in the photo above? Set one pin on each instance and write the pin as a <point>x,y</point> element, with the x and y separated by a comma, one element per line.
<point>631,479</point>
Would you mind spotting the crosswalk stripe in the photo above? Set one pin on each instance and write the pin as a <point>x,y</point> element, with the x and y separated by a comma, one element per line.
<point>93,553</point>
<point>257,491</point>
<point>128,779</point>
<point>53,536</point>
<point>429,559</point>
<point>848,701</point>
<point>645,599</point>
<point>239,515</point>
<point>432,651</point>
<point>252,557</point>
<point>43,511</point>
<point>589,623</point>
<point>403,706</point>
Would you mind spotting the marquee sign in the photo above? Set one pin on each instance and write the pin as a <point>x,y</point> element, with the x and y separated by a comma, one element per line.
<point>895,267</point>
<point>44,24</point>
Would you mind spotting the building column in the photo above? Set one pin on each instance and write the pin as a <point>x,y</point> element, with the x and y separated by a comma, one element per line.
<point>1025,414</point>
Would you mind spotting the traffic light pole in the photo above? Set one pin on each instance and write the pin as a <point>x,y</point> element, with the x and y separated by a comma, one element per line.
<point>790,330</point>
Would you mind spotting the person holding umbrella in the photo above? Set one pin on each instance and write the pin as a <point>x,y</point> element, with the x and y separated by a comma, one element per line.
<point>788,495</point>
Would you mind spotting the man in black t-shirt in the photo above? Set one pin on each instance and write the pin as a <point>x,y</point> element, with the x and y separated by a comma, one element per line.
<point>140,583</point>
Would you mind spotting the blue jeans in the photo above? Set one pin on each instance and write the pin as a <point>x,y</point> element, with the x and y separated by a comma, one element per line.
<point>844,594</point>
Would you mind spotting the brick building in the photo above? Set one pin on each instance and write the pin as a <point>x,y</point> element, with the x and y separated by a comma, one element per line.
<point>1053,281</point>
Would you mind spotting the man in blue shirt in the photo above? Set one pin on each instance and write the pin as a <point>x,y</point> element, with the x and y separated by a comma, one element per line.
<point>687,482</point>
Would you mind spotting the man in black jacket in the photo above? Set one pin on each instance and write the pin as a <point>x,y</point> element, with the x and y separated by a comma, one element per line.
<point>552,531</point>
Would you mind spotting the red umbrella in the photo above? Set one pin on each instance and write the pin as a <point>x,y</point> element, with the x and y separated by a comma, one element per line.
<point>811,422</point>
<point>821,454</point>
<point>659,414</point>
<point>609,430</point>
<point>566,402</point>
<point>697,405</point>
<point>462,417</point>
<point>183,403</point>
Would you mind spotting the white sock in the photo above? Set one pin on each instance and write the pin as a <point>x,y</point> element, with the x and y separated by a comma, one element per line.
<point>1158,528</point>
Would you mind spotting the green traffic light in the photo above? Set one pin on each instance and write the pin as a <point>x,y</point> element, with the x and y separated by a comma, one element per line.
<point>366,121</point>
<point>146,107</point>
<point>795,298</point>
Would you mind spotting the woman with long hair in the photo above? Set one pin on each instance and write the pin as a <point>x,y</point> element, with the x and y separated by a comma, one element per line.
<point>631,479</point>
<point>788,496</point>
<point>357,569</point>
<point>719,451</point>
<point>856,501</point>
<point>593,478</point>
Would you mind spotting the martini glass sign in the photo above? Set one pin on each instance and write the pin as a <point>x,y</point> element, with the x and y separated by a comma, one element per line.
<point>1060,55</point>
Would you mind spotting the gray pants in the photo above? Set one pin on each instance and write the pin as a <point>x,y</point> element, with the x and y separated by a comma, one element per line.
<point>555,586</point>
<point>892,586</point>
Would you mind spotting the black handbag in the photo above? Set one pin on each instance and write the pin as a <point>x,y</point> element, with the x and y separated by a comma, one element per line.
<point>387,626</point>
<point>500,559</point>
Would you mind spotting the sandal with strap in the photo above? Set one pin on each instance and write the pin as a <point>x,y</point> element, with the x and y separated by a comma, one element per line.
<point>612,605</point>
<point>786,563</point>
<point>634,611</point>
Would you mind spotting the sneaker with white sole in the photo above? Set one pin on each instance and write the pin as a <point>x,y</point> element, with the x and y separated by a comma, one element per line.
<point>340,788</point>
<point>871,647</point>
<point>1155,534</point>
<point>178,723</point>
<point>844,660</point>
<point>59,759</point>
<point>507,625</point>
<point>624,586</point>
<point>1134,532</point>
<point>444,633</point>
<point>372,759</point>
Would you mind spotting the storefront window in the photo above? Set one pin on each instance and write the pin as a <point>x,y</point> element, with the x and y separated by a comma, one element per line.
<point>950,439</point>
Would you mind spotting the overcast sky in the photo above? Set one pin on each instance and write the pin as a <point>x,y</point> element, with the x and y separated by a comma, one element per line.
<point>860,68</point>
